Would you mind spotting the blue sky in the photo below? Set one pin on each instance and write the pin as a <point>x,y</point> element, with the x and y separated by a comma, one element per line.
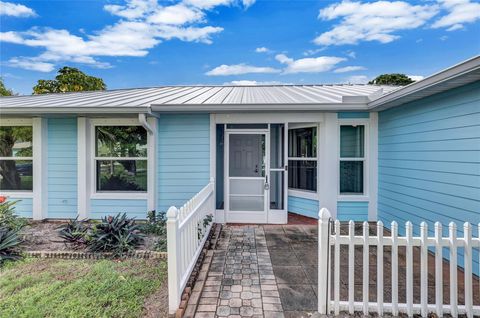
<point>138,43</point>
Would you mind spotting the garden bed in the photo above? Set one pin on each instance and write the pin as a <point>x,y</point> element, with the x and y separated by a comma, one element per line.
<point>44,236</point>
<point>84,288</point>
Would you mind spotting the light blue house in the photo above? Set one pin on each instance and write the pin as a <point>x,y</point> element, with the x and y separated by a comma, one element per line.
<point>365,152</point>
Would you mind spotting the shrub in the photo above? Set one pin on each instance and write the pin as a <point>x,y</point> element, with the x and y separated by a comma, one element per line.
<point>156,223</point>
<point>202,226</point>
<point>9,243</point>
<point>8,218</point>
<point>117,234</point>
<point>75,232</point>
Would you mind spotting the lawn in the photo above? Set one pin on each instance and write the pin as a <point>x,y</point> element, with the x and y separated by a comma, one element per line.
<point>84,288</point>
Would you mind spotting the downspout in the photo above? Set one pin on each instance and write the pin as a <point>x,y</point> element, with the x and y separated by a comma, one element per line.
<point>142,118</point>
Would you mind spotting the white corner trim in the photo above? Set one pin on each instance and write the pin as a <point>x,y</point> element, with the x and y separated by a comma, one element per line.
<point>152,164</point>
<point>213,158</point>
<point>83,201</point>
<point>40,169</point>
<point>373,168</point>
<point>329,165</point>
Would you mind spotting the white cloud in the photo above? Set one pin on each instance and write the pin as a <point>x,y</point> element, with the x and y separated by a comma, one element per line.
<point>416,78</point>
<point>314,51</point>
<point>349,69</point>
<point>29,64</point>
<point>238,69</point>
<point>460,12</point>
<point>262,50</point>
<point>254,83</point>
<point>15,10</point>
<point>351,54</point>
<point>372,21</point>
<point>142,25</point>
<point>357,79</point>
<point>309,65</point>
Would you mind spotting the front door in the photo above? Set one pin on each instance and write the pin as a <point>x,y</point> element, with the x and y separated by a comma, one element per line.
<point>247,177</point>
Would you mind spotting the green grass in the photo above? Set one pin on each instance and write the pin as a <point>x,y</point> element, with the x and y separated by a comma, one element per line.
<point>79,288</point>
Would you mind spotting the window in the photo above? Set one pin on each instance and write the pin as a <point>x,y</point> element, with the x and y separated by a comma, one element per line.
<point>302,159</point>
<point>16,158</point>
<point>121,158</point>
<point>352,159</point>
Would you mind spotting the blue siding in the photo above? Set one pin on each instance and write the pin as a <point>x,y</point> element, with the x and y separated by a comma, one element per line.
<point>62,168</point>
<point>355,211</point>
<point>346,115</point>
<point>134,208</point>
<point>183,157</point>
<point>429,161</point>
<point>24,207</point>
<point>303,206</point>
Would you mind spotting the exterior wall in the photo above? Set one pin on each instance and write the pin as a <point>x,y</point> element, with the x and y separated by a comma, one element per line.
<point>429,161</point>
<point>183,154</point>
<point>303,206</point>
<point>352,210</point>
<point>62,168</point>
<point>133,208</point>
<point>24,207</point>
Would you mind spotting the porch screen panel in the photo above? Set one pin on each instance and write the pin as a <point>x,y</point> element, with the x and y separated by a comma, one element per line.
<point>277,166</point>
<point>302,159</point>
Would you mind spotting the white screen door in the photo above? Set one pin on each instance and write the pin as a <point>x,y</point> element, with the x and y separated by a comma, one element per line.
<point>247,177</point>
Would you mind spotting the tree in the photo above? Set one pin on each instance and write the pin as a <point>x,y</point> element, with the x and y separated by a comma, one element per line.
<point>3,90</point>
<point>69,79</point>
<point>392,79</point>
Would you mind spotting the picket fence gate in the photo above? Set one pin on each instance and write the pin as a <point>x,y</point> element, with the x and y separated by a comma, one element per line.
<point>185,239</point>
<point>328,241</point>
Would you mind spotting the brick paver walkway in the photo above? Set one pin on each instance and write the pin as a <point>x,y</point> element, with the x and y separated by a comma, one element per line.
<point>241,281</point>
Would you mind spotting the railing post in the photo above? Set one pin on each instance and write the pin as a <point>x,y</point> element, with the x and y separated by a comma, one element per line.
<point>323,261</point>
<point>173,250</point>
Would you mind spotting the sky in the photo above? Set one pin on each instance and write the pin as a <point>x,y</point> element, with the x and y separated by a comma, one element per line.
<point>144,43</point>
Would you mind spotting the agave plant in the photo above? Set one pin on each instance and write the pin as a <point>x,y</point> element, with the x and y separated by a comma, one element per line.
<point>117,234</point>
<point>8,218</point>
<point>9,242</point>
<point>75,232</point>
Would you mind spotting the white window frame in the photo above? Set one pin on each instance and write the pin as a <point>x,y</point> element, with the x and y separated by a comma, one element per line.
<point>15,122</point>
<point>125,195</point>
<point>307,194</point>
<point>366,152</point>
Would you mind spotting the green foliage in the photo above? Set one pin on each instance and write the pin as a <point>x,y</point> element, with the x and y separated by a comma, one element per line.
<point>9,243</point>
<point>8,218</point>
<point>76,233</point>
<point>157,225</point>
<point>202,226</point>
<point>117,234</point>
<point>80,288</point>
<point>3,90</point>
<point>69,79</point>
<point>392,79</point>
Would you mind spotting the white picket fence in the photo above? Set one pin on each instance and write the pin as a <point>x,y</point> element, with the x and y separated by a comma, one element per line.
<point>328,303</point>
<point>183,242</point>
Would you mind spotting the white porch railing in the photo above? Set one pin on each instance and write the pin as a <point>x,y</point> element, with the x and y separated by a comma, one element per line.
<point>185,240</point>
<point>327,240</point>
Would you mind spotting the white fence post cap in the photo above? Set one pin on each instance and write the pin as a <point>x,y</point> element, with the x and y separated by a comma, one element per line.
<point>172,212</point>
<point>324,214</point>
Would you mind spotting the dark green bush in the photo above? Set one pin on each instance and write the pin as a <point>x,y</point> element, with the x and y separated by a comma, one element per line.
<point>117,234</point>
<point>75,233</point>
<point>9,243</point>
<point>156,223</point>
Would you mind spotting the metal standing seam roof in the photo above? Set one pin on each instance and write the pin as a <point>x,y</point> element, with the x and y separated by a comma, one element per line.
<point>202,95</point>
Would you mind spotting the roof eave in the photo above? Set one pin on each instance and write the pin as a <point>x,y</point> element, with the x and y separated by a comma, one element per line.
<point>73,110</point>
<point>446,77</point>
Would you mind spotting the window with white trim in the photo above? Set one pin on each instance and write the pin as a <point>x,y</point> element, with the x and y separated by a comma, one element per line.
<point>120,158</point>
<point>302,159</point>
<point>352,159</point>
<point>16,158</point>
